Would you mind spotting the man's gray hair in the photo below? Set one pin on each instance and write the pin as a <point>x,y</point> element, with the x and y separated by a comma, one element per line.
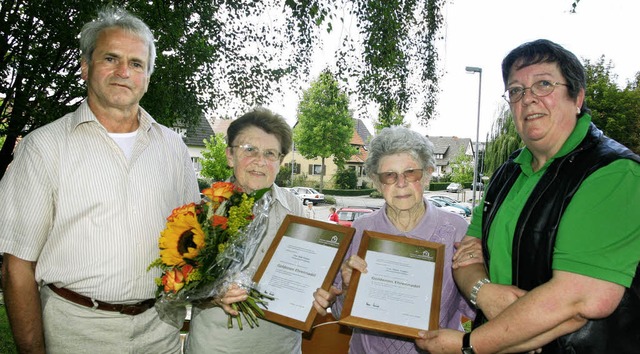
<point>111,17</point>
<point>395,140</point>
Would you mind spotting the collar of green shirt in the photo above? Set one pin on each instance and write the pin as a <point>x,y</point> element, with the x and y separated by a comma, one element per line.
<point>525,157</point>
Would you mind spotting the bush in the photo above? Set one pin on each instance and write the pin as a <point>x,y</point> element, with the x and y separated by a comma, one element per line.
<point>375,194</point>
<point>346,179</point>
<point>329,199</point>
<point>204,183</point>
<point>284,176</point>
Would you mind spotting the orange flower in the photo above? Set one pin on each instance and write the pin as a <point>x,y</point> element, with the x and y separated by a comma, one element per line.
<point>175,279</point>
<point>218,220</point>
<point>219,191</point>
<point>185,209</point>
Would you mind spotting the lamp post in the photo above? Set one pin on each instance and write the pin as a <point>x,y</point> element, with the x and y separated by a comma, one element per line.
<point>472,70</point>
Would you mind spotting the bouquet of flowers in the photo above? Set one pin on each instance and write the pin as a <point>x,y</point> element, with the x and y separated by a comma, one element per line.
<point>206,247</point>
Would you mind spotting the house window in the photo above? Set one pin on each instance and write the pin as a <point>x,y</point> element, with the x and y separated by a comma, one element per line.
<point>296,168</point>
<point>181,131</point>
<point>439,156</point>
<point>195,162</point>
<point>317,170</point>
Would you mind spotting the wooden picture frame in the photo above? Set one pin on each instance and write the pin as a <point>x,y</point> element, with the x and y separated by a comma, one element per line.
<point>407,303</point>
<point>305,255</point>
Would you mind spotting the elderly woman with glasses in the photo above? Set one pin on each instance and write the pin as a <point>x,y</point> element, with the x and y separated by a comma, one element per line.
<point>400,164</point>
<point>559,225</point>
<point>257,142</point>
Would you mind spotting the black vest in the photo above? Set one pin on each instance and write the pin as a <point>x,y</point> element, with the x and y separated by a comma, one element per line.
<point>535,237</point>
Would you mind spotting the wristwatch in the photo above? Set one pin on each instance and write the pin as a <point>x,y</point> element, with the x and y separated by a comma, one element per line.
<point>467,348</point>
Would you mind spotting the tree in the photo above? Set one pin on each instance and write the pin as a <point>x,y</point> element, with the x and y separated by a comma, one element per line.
<point>616,111</point>
<point>325,125</point>
<point>207,55</point>
<point>389,117</point>
<point>462,167</point>
<point>214,159</point>
<point>503,140</point>
<point>200,45</point>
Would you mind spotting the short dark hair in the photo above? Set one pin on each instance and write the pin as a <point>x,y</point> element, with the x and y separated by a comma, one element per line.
<point>546,51</point>
<point>266,120</point>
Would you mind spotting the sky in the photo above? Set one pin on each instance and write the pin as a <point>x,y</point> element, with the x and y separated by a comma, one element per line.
<point>480,33</point>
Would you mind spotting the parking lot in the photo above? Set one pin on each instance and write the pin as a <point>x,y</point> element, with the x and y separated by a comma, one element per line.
<point>322,209</point>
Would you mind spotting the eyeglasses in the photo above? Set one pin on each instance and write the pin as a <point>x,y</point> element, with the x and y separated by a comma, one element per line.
<point>539,89</point>
<point>410,175</point>
<point>248,150</point>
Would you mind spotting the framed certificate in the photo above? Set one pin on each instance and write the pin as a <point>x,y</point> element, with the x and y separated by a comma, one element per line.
<point>305,255</point>
<point>400,292</point>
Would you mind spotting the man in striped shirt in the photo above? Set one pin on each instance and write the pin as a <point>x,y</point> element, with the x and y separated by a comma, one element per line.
<point>83,204</point>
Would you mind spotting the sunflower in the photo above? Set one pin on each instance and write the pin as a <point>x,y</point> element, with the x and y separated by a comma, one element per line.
<point>183,237</point>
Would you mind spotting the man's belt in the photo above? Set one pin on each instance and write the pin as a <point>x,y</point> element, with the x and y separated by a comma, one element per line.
<point>132,309</point>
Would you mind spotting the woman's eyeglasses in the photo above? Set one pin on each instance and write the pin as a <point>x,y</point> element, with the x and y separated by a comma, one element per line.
<point>539,89</point>
<point>410,175</point>
<point>248,150</point>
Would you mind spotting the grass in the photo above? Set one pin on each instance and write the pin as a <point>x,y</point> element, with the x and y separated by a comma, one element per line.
<point>6,340</point>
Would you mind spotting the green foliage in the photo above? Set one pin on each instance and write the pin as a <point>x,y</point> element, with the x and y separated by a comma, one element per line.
<point>204,183</point>
<point>502,142</point>
<point>214,159</point>
<point>6,339</point>
<point>397,66</point>
<point>346,179</point>
<point>462,166</point>
<point>201,60</point>
<point>203,63</point>
<point>614,110</point>
<point>283,179</point>
<point>388,117</point>
<point>325,126</point>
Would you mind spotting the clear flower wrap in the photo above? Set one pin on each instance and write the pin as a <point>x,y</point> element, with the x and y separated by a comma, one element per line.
<point>207,247</point>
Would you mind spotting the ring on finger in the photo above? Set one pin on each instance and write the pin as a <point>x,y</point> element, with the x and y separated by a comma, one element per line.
<point>471,255</point>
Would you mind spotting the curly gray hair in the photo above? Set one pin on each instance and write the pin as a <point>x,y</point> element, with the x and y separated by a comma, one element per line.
<point>116,17</point>
<point>395,140</point>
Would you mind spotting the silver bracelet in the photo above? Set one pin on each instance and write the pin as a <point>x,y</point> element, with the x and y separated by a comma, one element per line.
<point>473,297</point>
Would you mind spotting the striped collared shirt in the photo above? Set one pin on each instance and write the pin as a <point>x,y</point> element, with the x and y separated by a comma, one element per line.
<point>91,218</point>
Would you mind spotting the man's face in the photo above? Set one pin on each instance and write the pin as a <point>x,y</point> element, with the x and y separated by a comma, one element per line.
<point>117,75</point>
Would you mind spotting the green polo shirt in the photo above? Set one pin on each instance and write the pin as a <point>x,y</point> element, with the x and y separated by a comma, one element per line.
<point>599,233</point>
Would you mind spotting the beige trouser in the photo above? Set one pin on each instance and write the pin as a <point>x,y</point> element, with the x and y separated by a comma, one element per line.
<point>70,328</point>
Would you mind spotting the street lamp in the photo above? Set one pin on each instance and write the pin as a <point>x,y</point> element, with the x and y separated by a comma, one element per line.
<point>472,70</point>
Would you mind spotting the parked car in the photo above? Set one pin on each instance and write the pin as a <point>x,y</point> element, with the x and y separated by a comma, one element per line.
<point>454,203</point>
<point>454,188</point>
<point>441,204</point>
<point>307,194</point>
<point>292,191</point>
<point>346,215</point>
